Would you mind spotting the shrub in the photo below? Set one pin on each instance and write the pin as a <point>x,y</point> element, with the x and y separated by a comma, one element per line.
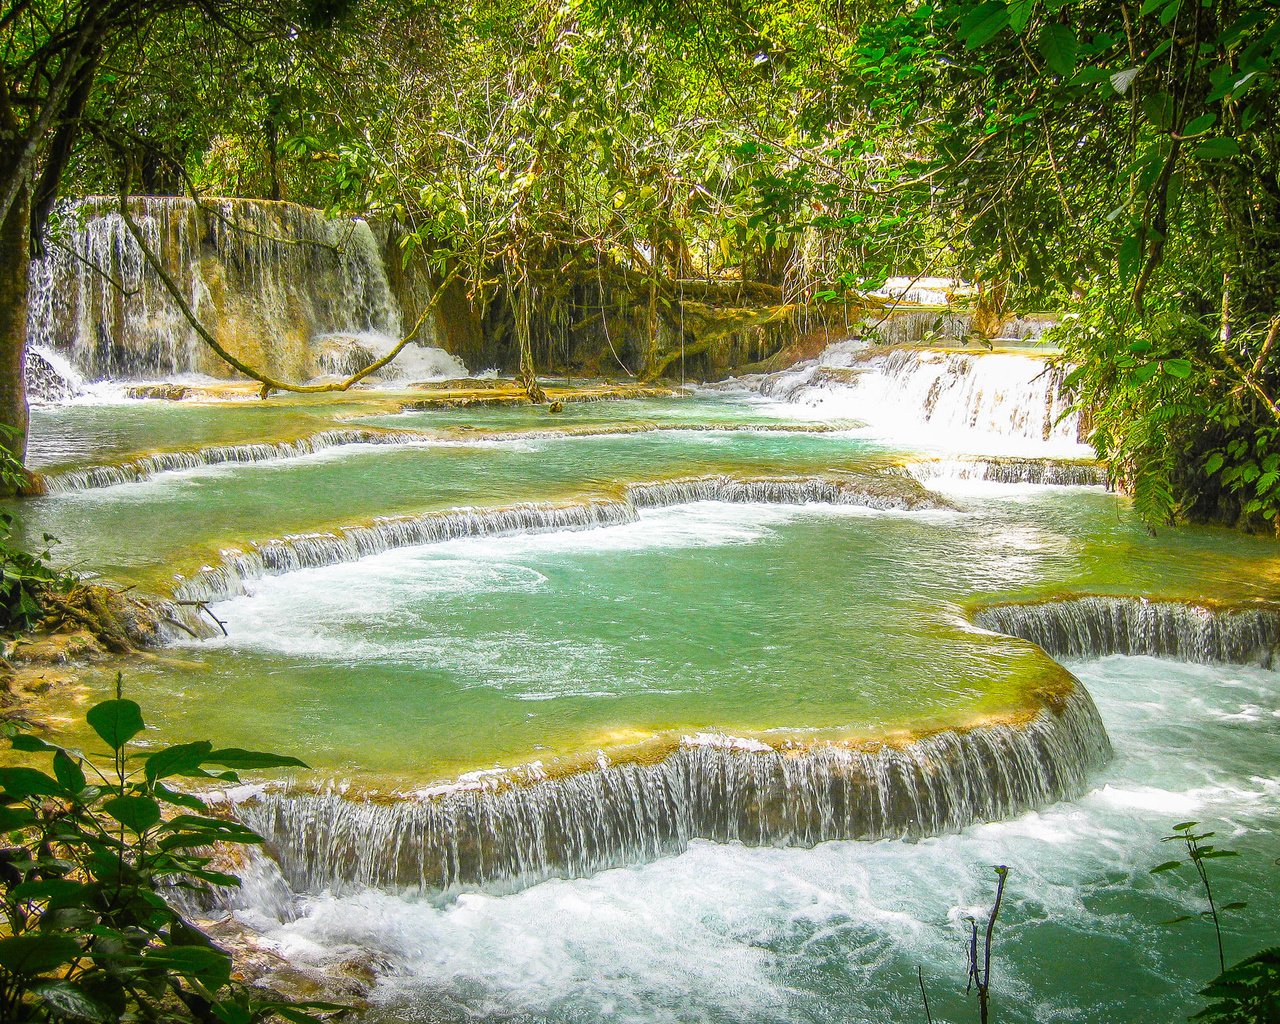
<point>87,849</point>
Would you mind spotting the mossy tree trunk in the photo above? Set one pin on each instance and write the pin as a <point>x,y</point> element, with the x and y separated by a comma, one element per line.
<point>15,256</point>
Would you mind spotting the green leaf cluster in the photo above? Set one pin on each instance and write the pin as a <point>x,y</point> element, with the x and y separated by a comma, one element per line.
<point>25,574</point>
<point>89,848</point>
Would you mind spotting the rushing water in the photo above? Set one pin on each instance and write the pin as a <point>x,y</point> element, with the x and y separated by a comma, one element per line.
<point>594,702</point>
<point>835,933</point>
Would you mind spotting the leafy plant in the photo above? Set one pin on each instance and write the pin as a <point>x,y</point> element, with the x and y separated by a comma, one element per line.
<point>90,847</point>
<point>1197,853</point>
<point>1245,993</point>
<point>24,574</point>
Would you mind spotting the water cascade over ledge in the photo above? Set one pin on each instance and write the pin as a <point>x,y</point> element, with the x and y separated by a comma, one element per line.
<point>507,830</point>
<point>974,401</point>
<point>1093,627</point>
<point>281,286</point>
<point>147,466</point>
<point>235,568</point>
<point>1043,472</point>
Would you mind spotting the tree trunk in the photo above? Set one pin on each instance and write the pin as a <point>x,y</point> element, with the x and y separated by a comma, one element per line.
<point>15,254</point>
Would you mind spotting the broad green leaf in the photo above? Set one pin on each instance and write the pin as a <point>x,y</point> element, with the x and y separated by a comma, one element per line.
<point>232,1013</point>
<point>1180,368</point>
<point>12,818</point>
<point>982,24</point>
<point>1130,257</point>
<point>116,721</point>
<point>177,760</point>
<point>1158,109</point>
<point>1216,149</point>
<point>25,741</point>
<point>21,783</point>
<point>58,889</point>
<point>1020,12</point>
<point>173,796</point>
<point>1058,47</point>
<point>1168,865</point>
<point>1213,463</point>
<point>69,772</point>
<point>1200,125</point>
<point>30,955</point>
<point>234,757</point>
<point>136,812</point>
<point>211,967</point>
<point>195,823</point>
<point>67,999</point>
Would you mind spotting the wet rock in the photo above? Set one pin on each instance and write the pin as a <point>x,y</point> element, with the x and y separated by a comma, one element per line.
<point>160,392</point>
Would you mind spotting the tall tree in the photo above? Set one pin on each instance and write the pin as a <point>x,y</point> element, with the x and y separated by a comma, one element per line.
<point>55,57</point>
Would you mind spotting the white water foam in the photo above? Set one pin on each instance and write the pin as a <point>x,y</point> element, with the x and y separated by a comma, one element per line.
<point>952,401</point>
<point>346,354</point>
<point>343,610</point>
<point>834,933</point>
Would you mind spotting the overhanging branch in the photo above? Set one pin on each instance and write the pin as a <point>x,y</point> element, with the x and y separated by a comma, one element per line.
<point>268,382</point>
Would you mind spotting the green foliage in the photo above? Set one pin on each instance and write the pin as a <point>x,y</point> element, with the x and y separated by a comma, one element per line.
<point>1126,155</point>
<point>90,847</point>
<point>24,574</point>
<point>1245,993</point>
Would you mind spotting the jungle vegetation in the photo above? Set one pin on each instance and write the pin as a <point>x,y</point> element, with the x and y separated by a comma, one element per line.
<point>625,188</point>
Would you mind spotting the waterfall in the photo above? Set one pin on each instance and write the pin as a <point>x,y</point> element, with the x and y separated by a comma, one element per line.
<point>962,400</point>
<point>1047,472</point>
<point>289,554</point>
<point>870,490</point>
<point>919,326</point>
<point>283,287</point>
<point>1092,627</point>
<point>508,830</point>
<point>228,577</point>
<point>147,466</point>
<point>50,378</point>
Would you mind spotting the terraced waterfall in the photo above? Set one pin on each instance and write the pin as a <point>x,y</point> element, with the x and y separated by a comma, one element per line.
<point>717,706</point>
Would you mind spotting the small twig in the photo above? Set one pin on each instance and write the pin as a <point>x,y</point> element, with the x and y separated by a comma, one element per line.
<point>182,626</point>
<point>1273,329</point>
<point>924,995</point>
<point>204,607</point>
<point>980,977</point>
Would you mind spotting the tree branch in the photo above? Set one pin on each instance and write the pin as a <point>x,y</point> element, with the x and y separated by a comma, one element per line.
<point>269,383</point>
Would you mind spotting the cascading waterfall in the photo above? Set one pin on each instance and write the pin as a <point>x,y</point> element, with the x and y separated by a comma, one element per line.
<point>276,557</point>
<point>915,327</point>
<point>51,378</point>
<point>148,466</point>
<point>956,399</point>
<point>235,569</point>
<point>282,286</point>
<point>1093,627</point>
<point>869,490</point>
<point>1045,472</point>
<point>507,830</point>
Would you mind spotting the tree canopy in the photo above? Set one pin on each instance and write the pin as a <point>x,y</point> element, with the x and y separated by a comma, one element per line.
<point>606,178</point>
